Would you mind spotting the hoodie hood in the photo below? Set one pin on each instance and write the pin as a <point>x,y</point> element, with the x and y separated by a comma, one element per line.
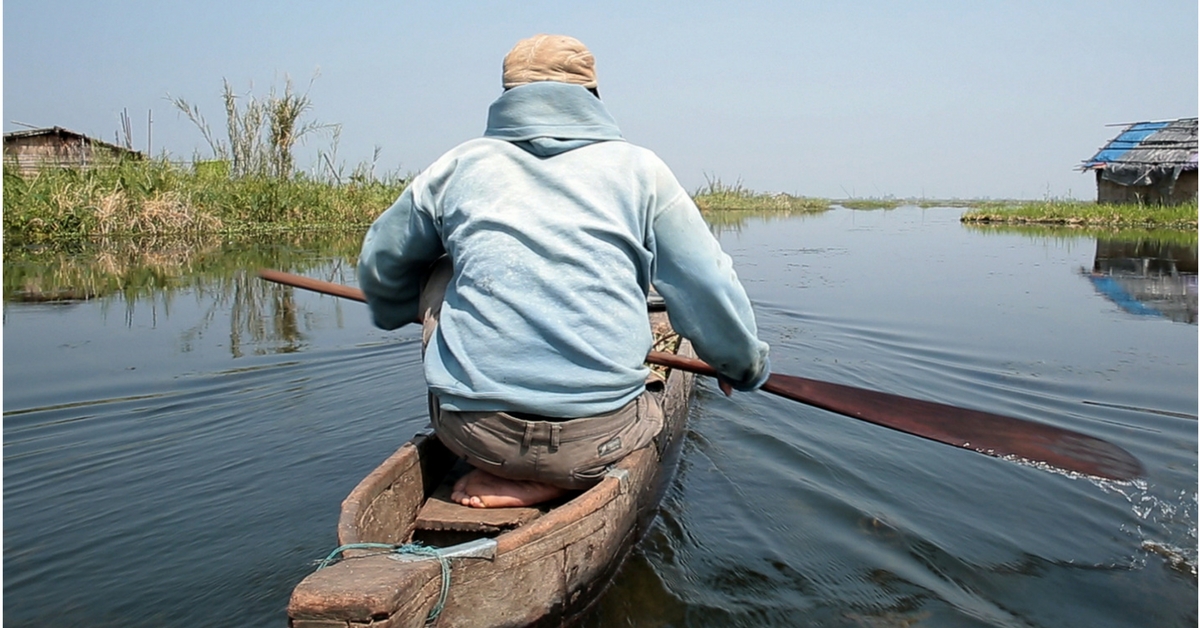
<point>548,118</point>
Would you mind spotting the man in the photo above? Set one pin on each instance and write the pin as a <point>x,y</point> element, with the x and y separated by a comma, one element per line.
<point>550,230</point>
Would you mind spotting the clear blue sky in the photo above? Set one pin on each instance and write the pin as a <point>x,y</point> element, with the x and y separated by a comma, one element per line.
<point>941,99</point>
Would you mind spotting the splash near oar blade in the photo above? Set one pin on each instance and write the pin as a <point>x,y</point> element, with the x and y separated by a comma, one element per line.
<point>986,433</point>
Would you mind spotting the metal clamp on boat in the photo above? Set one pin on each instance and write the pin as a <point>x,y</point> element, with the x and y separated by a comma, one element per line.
<point>622,476</point>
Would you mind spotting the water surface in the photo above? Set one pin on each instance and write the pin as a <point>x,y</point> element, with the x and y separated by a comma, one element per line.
<point>176,447</point>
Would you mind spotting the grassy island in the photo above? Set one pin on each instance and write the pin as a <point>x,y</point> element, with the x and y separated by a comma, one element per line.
<point>1074,213</point>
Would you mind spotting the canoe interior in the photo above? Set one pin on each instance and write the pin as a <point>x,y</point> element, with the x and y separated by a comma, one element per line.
<point>547,563</point>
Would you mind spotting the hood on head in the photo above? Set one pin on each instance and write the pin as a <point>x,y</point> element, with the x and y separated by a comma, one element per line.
<point>548,118</point>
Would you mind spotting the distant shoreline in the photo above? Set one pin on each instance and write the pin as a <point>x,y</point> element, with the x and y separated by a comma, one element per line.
<point>159,198</point>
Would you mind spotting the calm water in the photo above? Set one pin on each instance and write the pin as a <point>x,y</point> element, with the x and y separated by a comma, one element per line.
<point>177,455</point>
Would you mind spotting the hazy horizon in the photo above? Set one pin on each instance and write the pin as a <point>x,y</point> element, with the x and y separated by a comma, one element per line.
<point>853,100</point>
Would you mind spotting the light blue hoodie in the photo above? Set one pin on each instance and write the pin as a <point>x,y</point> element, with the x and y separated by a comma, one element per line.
<point>556,227</point>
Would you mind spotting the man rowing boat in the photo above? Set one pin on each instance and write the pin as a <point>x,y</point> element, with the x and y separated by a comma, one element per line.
<point>529,254</point>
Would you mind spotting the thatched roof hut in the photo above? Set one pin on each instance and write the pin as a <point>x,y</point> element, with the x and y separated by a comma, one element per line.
<point>57,147</point>
<point>1147,162</point>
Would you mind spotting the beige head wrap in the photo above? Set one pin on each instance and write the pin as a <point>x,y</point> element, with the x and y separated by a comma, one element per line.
<point>549,58</point>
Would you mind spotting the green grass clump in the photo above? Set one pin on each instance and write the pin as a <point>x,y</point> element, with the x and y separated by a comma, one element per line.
<point>1085,214</point>
<point>872,203</point>
<point>155,197</point>
<point>717,196</point>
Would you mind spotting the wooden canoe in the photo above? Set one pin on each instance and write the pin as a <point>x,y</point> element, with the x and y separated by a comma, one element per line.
<point>508,566</point>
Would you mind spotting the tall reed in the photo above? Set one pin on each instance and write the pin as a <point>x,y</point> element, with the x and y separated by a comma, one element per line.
<point>260,134</point>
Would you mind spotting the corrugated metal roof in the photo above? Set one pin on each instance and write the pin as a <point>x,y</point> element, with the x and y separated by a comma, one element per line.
<point>1149,145</point>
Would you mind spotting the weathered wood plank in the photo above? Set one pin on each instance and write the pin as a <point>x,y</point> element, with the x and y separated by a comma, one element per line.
<point>359,589</point>
<point>504,597</point>
<point>439,513</point>
<point>360,521</point>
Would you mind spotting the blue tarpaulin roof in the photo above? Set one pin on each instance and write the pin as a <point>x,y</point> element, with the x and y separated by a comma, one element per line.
<point>1127,140</point>
<point>1151,145</point>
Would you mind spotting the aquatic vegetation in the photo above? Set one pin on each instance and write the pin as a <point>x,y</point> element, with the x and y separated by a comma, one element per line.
<point>1084,214</point>
<point>717,196</point>
<point>159,197</point>
<point>262,133</point>
<point>889,202</point>
<point>1177,237</point>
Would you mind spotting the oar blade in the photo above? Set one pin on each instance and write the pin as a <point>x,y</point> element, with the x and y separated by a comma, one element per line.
<point>983,432</point>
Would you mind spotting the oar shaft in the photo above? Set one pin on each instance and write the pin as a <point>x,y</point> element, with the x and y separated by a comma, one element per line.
<point>316,285</point>
<point>986,433</point>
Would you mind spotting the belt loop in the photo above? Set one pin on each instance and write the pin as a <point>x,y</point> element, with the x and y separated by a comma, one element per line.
<point>527,438</point>
<point>555,429</point>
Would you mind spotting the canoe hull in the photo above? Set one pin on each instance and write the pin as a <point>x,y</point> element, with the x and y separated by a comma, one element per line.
<point>544,571</point>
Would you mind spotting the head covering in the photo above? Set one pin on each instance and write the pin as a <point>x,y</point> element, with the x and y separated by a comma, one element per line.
<point>549,58</point>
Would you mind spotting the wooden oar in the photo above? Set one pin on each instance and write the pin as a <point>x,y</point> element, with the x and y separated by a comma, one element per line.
<point>984,432</point>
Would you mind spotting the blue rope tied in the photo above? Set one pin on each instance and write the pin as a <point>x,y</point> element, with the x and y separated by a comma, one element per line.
<point>407,548</point>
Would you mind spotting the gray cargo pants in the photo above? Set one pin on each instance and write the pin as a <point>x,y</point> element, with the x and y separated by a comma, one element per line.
<point>568,453</point>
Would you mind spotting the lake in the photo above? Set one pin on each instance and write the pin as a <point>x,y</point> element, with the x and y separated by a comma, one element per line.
<point>178,435</point>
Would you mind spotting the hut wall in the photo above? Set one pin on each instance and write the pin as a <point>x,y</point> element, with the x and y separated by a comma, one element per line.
<point>1157,194</point>
<point>28,154</point>
<point>1185,187</point>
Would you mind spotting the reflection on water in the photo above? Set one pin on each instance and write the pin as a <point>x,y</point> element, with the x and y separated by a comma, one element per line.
<point>147,267</point>
<point>1147,277</point>
<point>150,272</point>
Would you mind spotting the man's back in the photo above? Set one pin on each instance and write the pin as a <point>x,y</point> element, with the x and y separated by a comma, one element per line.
<point>553,259</point>
<point>556,228</point>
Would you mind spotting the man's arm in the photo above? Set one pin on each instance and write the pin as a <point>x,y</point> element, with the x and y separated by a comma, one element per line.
<point>706,302</point>
<point>396,252</point>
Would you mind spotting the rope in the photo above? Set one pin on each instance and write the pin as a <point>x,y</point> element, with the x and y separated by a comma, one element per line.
<point>407,548</point>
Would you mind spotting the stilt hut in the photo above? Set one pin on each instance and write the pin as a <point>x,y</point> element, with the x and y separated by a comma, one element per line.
<point>1147,162</point>
<point>56,147</point>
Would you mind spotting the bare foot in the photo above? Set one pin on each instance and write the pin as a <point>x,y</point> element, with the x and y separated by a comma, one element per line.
<point>480,489</point>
